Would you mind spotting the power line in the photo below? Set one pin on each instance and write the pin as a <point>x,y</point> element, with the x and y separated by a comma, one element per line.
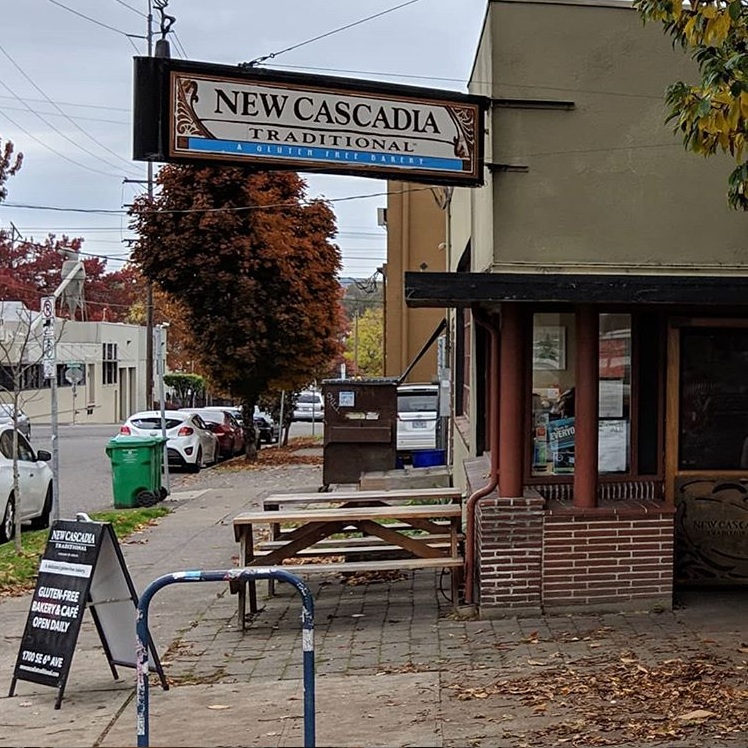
<point>179,45</point>
<point>63,113</point>
<point>116,229</point>
<point>130,7</point>
<point>55,114</point>
<point>101,211</point>
<point>94,211</point>
<point>465,81</point>
<point>49,148</point>
<point>84,106</point>
<point>93,20</point>
<point>272,55</point>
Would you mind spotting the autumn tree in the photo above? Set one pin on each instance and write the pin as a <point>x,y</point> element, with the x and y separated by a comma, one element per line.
<point>364,345</point>
<point>253,264</point>
<point>181,356</point>
<point>31,269</point>
<point>711,114</point>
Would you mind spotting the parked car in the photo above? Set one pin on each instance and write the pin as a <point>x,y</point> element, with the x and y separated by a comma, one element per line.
<point>309,406</point>
<point>6,417</point>
<point>35,484</point>
<point>266,426</point>
<point>228,430</point>
<point>417,416</point>
<point>267,430</point>
<point>190,443</point>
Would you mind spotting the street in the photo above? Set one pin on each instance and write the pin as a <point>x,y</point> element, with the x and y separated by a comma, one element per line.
<point>85,480</point>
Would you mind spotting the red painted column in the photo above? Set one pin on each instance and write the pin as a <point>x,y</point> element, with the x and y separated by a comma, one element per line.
<point>511,437</point>
<point>586,398</point>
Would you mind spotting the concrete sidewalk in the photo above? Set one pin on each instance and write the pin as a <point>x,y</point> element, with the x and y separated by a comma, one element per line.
<point>395,665</point>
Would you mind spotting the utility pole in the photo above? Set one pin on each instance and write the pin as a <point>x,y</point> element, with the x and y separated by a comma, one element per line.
<point>162,50</point>
<point>149,287</point>
<point>160,345</point>
<point>355,343</point>
<point>49,366</point>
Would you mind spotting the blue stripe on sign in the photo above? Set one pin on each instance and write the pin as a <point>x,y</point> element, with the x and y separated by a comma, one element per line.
<point>328,155</point>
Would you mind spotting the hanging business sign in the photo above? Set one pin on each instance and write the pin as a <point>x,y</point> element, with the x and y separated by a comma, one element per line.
<point>189,111</point>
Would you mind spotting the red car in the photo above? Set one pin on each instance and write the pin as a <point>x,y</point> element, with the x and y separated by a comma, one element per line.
<point>227,429</point>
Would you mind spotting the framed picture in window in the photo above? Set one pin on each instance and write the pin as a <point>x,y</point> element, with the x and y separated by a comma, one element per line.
<point>549,347</point>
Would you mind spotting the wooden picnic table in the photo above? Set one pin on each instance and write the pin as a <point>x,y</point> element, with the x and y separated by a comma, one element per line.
<point>274,501</point>
<point>385,527</point>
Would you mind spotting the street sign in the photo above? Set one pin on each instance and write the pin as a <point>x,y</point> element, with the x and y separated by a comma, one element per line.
<point>74,374</point>
<point>49,354</point>
<point>48,307</point>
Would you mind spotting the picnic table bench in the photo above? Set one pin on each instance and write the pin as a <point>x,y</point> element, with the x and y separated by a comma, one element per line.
<point>426,535</point>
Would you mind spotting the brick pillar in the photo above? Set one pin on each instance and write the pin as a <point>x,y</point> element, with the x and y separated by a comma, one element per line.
<point>509,540</point>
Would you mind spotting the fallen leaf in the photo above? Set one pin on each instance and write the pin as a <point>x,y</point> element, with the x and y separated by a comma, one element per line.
<point>696,714</point>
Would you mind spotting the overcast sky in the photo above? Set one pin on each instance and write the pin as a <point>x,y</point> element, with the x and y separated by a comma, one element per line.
<point>66,95</point>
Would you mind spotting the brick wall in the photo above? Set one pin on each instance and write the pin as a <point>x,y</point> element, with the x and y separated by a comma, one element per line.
<point>534,556</point>
<point>617,556</point>
<point>533,559</point>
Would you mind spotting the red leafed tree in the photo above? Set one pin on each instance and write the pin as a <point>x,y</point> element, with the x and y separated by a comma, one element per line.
<point>255,267</point>
<point>30,270</point>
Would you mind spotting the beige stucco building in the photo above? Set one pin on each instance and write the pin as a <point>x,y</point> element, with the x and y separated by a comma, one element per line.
<point>416,241</point>
<point>110,356</point>
<point>598,284</point>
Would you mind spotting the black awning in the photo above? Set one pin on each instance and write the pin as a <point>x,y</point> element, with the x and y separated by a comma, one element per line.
<point>463,289</point>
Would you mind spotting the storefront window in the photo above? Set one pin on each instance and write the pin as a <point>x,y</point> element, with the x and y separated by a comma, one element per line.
<point>713,399</point>
<point>553,394</point>
<point>614,408</point>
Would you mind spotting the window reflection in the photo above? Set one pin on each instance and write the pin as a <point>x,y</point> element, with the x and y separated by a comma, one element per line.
<point>714,399</point>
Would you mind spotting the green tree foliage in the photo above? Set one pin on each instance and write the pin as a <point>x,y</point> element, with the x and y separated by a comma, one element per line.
<point>186,386</point>
<point>252,262</point>
<point>364,345</point>
<point>712,115</point>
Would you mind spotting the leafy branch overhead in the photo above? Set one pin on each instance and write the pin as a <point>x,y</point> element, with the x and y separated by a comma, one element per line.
<point>712,115</point>
<point>253,264</point>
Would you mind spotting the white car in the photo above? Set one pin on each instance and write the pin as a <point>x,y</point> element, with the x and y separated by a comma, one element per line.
<point>34,482</point>
<point>190,444</point>
<point>8,416</point>
<point>417,416</point>
<point>309,406</point>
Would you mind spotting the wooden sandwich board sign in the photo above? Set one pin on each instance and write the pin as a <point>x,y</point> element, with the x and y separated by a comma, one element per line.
<point>82,566</point>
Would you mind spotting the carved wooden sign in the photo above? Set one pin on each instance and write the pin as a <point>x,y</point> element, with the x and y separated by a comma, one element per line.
<point>711,531</point>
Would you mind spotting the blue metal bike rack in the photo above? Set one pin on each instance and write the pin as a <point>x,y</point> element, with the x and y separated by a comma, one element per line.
<point>238,575</point>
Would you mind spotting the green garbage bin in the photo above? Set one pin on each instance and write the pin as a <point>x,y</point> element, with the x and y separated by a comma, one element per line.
<point>136,470</point>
